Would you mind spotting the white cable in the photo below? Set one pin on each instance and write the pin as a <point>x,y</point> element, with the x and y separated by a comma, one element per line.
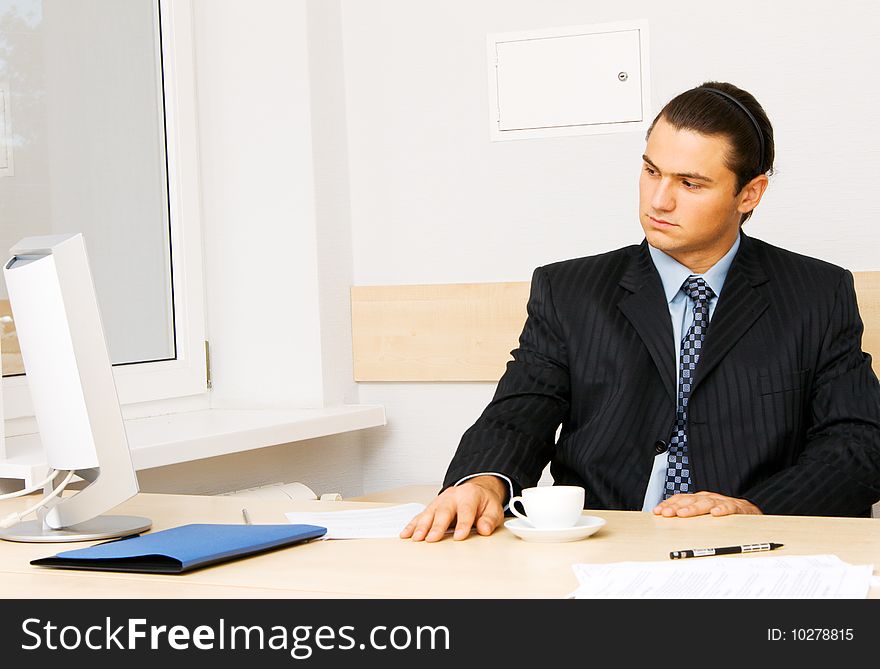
<point>33,488</point>
<point>13,518</point>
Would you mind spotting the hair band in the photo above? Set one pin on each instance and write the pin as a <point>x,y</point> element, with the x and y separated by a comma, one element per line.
<point>747,113</point>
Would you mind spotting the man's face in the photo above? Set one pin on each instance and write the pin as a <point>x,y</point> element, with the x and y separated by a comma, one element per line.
<point>687,202</point>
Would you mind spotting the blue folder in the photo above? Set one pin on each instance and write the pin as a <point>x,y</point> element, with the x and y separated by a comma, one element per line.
<point>183,548</point>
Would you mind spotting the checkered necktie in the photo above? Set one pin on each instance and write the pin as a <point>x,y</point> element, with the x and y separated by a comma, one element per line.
<point>678,472</point>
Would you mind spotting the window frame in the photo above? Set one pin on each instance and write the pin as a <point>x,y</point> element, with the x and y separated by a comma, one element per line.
<point>186,375</point>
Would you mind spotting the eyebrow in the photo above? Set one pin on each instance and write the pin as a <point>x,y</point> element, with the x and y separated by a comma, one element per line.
<point>684,175</point>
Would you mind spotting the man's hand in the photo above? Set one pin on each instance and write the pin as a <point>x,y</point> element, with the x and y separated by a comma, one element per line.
<point>702,503</point>
<point>478,501</point>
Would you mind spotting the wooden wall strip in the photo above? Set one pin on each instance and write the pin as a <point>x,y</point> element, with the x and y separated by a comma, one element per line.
<point>868,294</point>
<point>11,353</point>
<point>455,332</point>
<point>451,332</point>
<point>465,332</point>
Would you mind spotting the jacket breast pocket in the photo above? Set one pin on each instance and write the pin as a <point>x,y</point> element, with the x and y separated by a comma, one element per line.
<point>773,383</point>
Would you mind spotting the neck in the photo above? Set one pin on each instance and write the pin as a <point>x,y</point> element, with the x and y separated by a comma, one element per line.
<point>700,262</point>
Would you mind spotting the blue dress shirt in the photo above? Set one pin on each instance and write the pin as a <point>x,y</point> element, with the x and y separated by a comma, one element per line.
<point>681,311</point>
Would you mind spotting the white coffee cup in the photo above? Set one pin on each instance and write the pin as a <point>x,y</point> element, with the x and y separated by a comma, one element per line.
<point>550,507</point>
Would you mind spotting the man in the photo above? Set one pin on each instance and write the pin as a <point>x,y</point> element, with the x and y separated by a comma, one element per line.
<point>701,372</point>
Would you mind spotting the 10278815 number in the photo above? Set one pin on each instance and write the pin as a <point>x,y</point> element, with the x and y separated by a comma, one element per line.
<point>811,634</point>
<point>821,634</point>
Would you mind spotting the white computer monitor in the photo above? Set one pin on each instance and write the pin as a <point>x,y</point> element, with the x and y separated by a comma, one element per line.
<point>70,378</point>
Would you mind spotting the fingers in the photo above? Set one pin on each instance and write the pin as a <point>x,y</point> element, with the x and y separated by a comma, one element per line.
<point>669,507</point>
<point>685,506</point>
<point>703,503</point>
<point>442,520</point>
<point>467,505</point>
<point>418,527</point>
<point>430,524</point>
<point>465,515</point>
<point>490,519</point>
<point>407,531</point>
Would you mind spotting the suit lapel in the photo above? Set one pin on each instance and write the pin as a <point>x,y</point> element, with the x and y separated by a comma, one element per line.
<point>646,308</point>
<point>738,308</point>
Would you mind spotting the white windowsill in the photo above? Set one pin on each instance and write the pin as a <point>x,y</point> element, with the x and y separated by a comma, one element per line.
<point>165,440</point>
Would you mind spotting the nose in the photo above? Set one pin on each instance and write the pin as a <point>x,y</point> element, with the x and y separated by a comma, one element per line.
<point>663,197</point>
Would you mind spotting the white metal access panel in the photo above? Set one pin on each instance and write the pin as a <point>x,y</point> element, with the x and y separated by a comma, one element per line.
<point>569,81</point>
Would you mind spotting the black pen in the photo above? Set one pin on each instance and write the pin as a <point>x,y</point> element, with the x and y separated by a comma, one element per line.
<point>726,550</point>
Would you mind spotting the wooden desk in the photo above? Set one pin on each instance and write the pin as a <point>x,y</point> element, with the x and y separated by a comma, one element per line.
<point>500,566</point>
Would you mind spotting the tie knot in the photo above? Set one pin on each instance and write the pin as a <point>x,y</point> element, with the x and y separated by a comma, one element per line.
<point>696,288</point>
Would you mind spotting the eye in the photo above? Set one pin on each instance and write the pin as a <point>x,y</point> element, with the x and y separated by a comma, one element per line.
<point>650,170</point>
<point>691,186</point>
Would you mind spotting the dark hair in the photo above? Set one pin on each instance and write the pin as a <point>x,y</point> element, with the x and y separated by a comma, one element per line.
<point>742,121</point>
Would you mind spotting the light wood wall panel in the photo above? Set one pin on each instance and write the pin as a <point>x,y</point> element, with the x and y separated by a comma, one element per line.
<point>9,348</point>
<point>465,332</point>
<point>868,294</point>
<point>448,332</point>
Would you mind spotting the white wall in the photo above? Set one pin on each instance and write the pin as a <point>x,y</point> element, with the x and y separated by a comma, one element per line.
<point>326,465</point>
<point>274,166</point>
<point>434,201</point>
<point>332,206</point>
<point>386,117</point>
<point>258,202</point>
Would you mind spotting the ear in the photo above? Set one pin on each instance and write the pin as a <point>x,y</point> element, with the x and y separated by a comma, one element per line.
<point>751,194</point>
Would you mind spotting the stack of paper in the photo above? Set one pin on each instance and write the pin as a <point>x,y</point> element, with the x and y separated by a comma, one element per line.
<point>758,577</point>
<point>381,523</point>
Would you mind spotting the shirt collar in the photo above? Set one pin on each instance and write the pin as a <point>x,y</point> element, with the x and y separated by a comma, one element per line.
<point>673,273</point>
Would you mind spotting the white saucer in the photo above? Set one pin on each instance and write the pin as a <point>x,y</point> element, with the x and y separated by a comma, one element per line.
<point>585,526</point>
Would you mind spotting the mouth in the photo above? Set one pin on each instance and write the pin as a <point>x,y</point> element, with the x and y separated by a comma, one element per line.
<point>660,224</point>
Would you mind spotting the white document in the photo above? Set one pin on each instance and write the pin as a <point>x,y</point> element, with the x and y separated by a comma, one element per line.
<point>752,577</point>
<point>379,523</point>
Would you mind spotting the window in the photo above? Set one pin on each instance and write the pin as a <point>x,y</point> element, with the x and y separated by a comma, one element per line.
<point>99,119</point>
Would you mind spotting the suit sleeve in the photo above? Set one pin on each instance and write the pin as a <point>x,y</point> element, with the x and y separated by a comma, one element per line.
<point>838,472</point>
<point>515,434</point>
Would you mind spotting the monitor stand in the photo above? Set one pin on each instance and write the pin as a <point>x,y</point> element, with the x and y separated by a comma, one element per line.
<point>102,527</point>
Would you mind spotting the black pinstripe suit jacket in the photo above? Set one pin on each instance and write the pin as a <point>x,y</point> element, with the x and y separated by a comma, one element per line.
<point>784,410</point>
